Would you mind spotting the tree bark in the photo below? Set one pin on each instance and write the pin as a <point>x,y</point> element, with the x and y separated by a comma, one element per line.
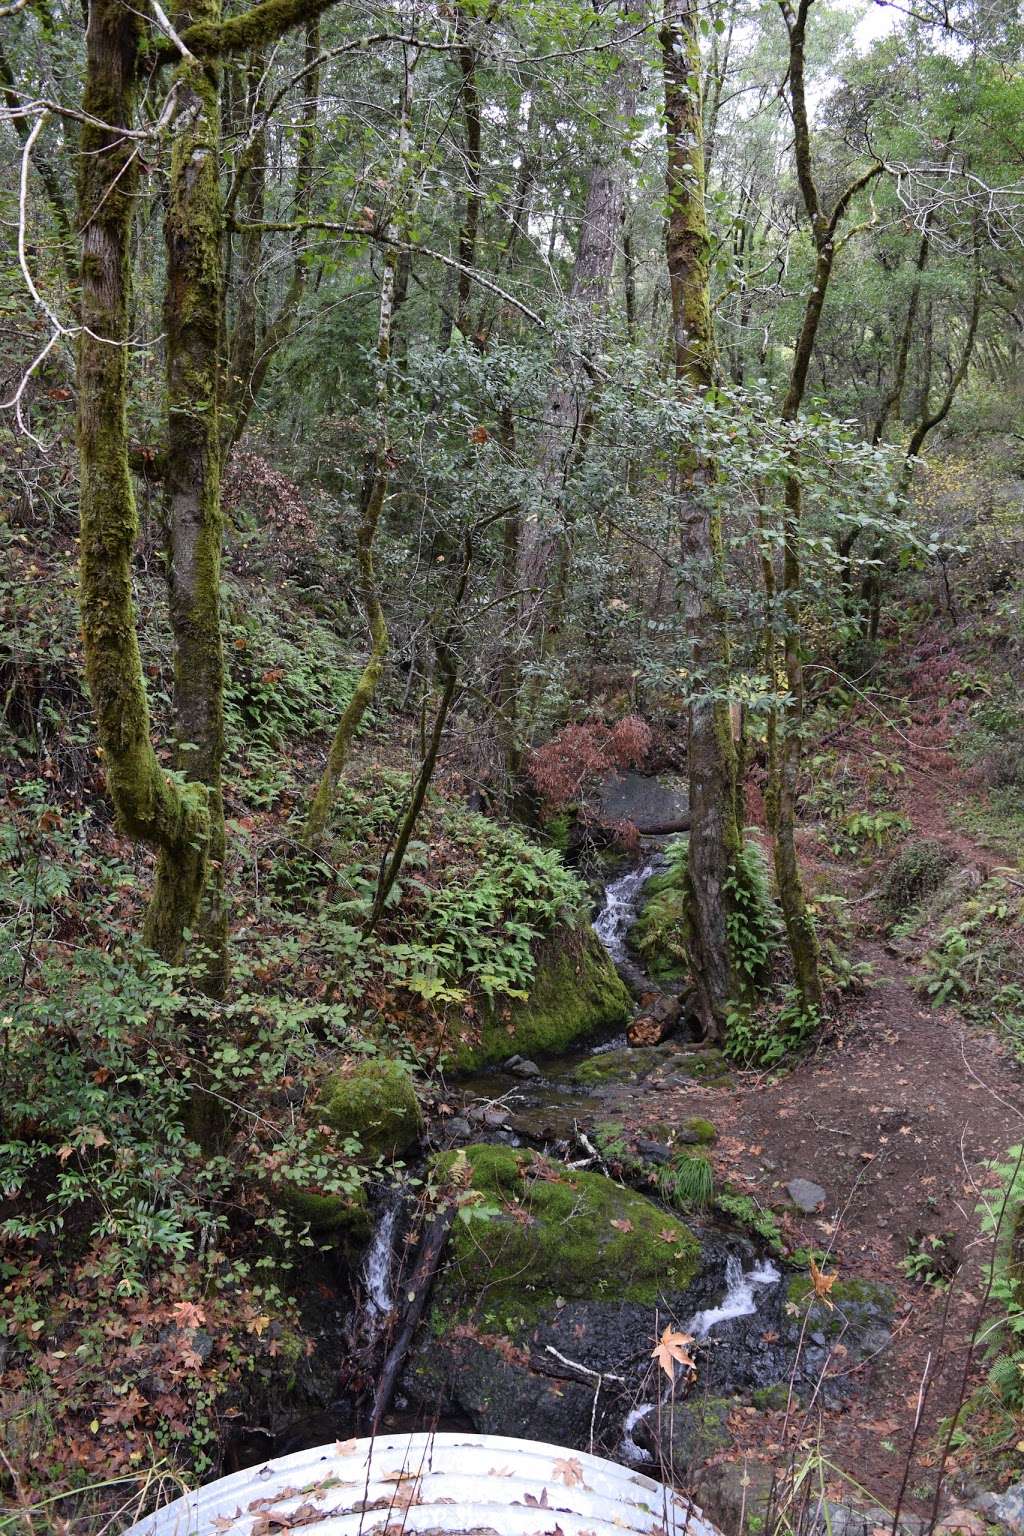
<point>172,818</point>
<point>193,319</point>
<point>715,827</point>
<point>784,760</point>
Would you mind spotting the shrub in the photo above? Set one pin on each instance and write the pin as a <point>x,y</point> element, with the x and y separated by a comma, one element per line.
<point>917,871</point>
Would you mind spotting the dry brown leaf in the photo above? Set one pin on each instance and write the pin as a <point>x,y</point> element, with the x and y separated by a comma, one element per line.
<point>822,1285</point>
<point>570,1471</point>
<point>672,1350</point>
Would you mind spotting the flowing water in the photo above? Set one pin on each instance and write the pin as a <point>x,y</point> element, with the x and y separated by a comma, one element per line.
<point>378,1266</point>
<point>617,916</point>
<point>738,1301</point>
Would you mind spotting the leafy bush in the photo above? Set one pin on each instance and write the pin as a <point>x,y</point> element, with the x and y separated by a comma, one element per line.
<point>918,870</point>
<point>1002,1218</point>
<point>762,1036</point>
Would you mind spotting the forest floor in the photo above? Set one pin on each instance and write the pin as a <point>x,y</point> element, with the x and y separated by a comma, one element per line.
<point>896,1115</point>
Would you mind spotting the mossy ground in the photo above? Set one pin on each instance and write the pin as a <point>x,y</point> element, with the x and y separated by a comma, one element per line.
<point>556,1235</point>
<point>576,993</point>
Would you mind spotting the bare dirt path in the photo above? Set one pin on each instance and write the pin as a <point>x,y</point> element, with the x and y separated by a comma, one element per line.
<point>896,1115</point>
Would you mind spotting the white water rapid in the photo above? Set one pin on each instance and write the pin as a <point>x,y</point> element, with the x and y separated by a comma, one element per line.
<point>616,916</point>
<point>378,1265</point>
<point>738,1301</point>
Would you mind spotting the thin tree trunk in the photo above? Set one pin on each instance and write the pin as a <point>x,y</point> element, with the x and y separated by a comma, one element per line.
<point>193,318</point>
<point>715,829</point>
<point>784,771</point>
<point>375,488</point>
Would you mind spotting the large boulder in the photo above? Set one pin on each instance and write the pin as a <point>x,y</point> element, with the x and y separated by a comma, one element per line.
<point>576,993</point>
<point>557,1277</point>
<point>372,1100</point>
<point>545,1234</point>
<point>653,803</point>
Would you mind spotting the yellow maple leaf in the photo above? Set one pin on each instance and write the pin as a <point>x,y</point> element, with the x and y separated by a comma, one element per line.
<point>569,1470</point>
<point>822,1284</point>
<point>672,1350</point>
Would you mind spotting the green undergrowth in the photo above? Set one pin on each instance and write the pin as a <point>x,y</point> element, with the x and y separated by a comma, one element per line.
<point>974,954</point>
<point>989,1423</point>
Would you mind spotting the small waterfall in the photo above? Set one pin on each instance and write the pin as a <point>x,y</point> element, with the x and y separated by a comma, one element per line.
<point>616,917</point>
<point>738,1301</point>
<point>378,1266</point>
<point>621,899</point>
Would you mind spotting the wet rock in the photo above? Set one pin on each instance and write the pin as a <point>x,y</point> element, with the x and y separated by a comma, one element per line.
<point>493,1116</point>
<point>526,1069</point>
<point>684,1439</point>
<point>806,1195</point>
<point>459,1128</point>
<point>653,1151</point>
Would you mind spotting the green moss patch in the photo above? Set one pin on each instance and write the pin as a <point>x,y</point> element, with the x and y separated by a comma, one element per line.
<point>545,1233</point>
<point>576,993</point>
<point>375,1102</point>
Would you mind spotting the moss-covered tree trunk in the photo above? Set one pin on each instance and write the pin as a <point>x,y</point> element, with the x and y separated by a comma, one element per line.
<point>193,320</point>
<point>716,831</point>
<point>150,807</point>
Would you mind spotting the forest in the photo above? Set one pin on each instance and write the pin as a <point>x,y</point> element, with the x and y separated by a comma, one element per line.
<point>511,717</point>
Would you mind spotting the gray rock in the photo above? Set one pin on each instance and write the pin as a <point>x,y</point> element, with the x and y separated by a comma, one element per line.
<point>1008,1509</point>
<point>652,804</point>
<point>526,1069</point>
<point>491,1115</point>
<point>653,1151</point>
<point>806,1195</point>
<point>459,1128</point>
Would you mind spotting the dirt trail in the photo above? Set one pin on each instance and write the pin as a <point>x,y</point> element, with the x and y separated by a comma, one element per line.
<point>895,1115</point>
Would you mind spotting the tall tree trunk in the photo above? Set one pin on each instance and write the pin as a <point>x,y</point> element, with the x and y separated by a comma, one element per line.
<point>193,318</point>
<point>545,547</point>
<point>715,828</point>
<point>376,478</point>
<point>784,761</point>
<point>151,807</point>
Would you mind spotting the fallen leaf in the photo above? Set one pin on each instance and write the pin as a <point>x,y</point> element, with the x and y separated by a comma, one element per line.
<point>671,1350</point>
<point>570,1471</point>
<point>822,1284</point>
<point>625,1225</point>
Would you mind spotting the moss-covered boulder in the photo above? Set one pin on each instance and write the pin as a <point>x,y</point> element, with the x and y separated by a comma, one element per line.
<point>917,872</point>
<point>328,1215</point>
<point>373,1100</point>
<point>576,993</point>
<point>540,1234</point>
<point>688,1436</point>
